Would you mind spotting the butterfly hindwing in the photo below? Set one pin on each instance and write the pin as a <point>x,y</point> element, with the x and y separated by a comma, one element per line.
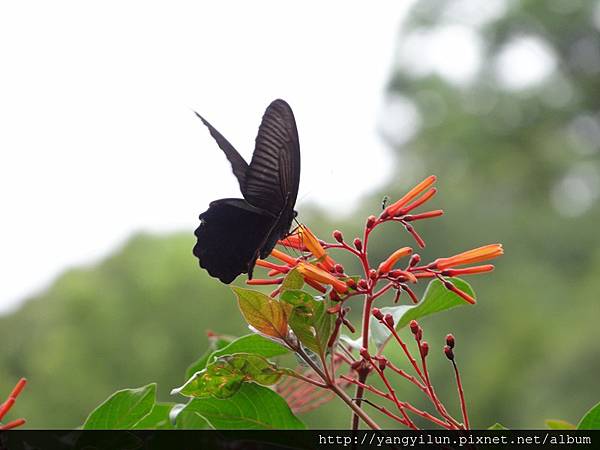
<point>273,177</point>
<point>230,236</point>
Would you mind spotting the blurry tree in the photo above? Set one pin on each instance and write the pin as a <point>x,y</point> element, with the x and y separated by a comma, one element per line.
<point>501,99</point>
<point>138,317</point>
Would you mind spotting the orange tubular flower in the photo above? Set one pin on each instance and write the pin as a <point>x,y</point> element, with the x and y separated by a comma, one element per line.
<point>8,404</point>
<point>387,265</point>
<point>293,241</point>
<point>394,208</point>
<point>270,265</point>
<point>313,245</point>
<point>283,257</point>
<point>469,257</point>
<point>467,270</point>
<point>313,273</point>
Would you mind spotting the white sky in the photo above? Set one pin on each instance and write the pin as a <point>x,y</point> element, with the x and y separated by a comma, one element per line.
<point>97,135</point>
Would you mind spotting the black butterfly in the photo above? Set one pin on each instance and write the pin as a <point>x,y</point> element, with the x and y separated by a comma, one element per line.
<point>234,232</point>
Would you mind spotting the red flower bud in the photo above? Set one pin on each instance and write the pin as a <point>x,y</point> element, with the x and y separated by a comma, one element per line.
<point>414,326</point>
<point>338,236</point>
<point>414,260</point>
<point>372,274</point>
<point>389,319</point>
<point>449,352</point>
<point>424,348</point>
<point>377,313</point>
<point>371,221</point>
<point>364,353</point>
<point>450,341</point>
<point>351,283</point>
<point>382,363</point>
<point>339,268</point>
<point>358,244</point>
<point>363,284</point>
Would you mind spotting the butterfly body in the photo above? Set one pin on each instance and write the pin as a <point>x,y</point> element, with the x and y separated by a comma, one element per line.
<point>234,232</point>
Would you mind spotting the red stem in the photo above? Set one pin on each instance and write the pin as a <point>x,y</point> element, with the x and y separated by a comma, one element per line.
<point>463,405</point>
<point>434,398</point>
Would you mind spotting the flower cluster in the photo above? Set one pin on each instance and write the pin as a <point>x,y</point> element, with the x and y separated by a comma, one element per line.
<point>8,404</point>
<point>319,269</point>
<point>397,274</point>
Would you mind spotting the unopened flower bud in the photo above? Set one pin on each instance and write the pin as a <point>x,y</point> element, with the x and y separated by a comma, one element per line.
<point>450,341</point>
<point>338,236</point>
<point>371,221</point>
<point>424,348</point>
<point>372,274</point>
<point>414,260</point>
<point>382,363</point>
<point>333,296</point>
<point>389,319</point>
<point>351,283</point>
<point>364,353</point>
<point>419,334</point>
<point>377,313</point>
<point>339,268</point>
<point>449,352</point>
<point>363,284</point>
<point>414,326</point>
<point>358,244</point>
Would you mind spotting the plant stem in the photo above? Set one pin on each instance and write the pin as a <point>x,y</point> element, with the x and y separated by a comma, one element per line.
<point>461,394</point>
<point>364,372</point>
<point>338,391</point>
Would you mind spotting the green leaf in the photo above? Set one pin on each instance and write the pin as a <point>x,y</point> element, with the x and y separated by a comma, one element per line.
<point>497,426</point>
<point>252,407</point>
<point>214,343</point>
<point>591,419</point>
<point>309,320</point>
<point>251,343</point>
<point>188,420</point>
<point>123,409</point>
<point>293,280</point>
<point>558,424</point>
<point>435,299</point>
<point>158,419</point>
<point>262,312</point>
<point>225,375</point>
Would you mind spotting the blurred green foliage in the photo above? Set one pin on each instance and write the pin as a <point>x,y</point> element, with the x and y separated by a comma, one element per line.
<point>517,165</point>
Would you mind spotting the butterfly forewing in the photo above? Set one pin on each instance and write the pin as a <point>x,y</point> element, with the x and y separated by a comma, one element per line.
<point>274,174</point>
<point>238,164</point>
